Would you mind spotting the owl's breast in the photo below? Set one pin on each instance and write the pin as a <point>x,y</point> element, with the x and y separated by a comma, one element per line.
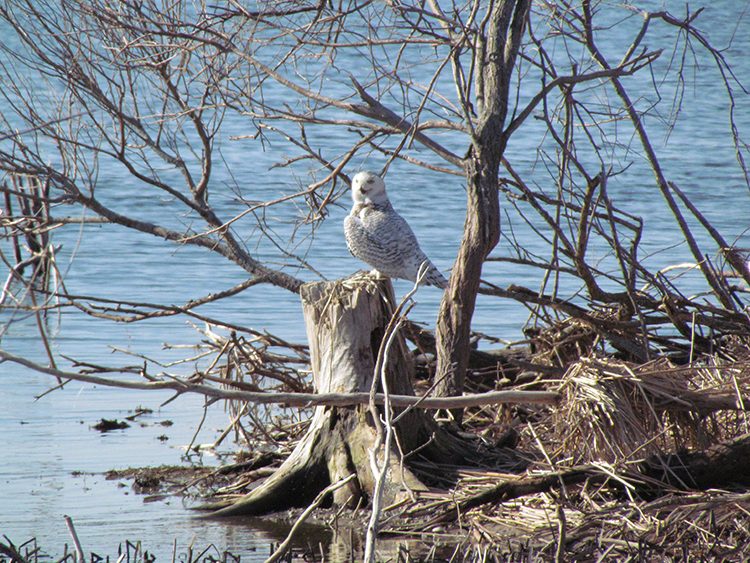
<point>362,210</point>
<point>371,216</point>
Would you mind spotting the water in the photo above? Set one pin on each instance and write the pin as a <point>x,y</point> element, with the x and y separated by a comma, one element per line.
<point>45,441</point>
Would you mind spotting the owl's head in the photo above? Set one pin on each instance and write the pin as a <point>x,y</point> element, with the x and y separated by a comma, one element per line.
<point>368,187</point>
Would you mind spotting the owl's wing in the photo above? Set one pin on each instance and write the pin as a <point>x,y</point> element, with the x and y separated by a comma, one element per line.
<point>372,247</point>
<point>407,256</point>
<point>383,239</point>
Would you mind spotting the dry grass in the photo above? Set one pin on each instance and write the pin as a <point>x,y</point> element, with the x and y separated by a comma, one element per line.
<point>613,415</point>
<point>617,412</point>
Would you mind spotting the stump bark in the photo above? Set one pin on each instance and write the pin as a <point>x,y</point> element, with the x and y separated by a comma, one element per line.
<point>346,321</point>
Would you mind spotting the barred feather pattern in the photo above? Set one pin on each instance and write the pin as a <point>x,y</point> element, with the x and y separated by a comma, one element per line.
<point>381,238</point>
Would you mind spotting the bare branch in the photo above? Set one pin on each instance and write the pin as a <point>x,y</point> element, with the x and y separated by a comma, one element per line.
<point>295,399</point>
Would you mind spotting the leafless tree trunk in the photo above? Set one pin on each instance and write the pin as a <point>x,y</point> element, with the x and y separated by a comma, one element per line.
<point>494,60</point>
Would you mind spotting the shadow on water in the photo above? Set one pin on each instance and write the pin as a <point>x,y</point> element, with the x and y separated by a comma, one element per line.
<point>340,543</point>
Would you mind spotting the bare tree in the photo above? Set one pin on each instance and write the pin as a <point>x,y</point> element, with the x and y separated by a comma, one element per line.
<point>150,87</point>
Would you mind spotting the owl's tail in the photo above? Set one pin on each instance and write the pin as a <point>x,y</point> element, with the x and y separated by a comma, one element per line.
<point>433,275</point>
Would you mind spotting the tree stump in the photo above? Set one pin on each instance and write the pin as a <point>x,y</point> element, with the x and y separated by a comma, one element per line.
<point>346,321</point>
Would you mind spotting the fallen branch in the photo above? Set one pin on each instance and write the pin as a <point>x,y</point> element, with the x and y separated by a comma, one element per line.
<point>725,465</point>
<point>509,490</point>
<point>299,399</point>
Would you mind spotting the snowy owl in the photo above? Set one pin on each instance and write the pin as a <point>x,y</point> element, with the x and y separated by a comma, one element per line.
<point>380,237</point>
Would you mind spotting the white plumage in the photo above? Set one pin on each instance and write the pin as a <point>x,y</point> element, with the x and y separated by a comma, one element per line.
<point>380,237</point>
